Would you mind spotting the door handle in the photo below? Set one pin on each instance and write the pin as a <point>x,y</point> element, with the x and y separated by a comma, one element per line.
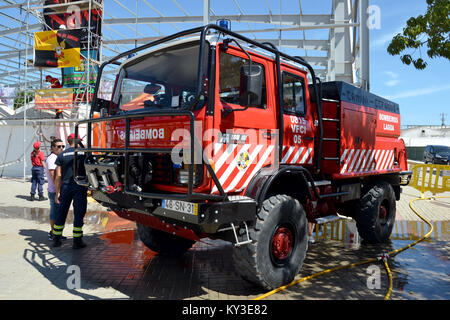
<point>268,135</point>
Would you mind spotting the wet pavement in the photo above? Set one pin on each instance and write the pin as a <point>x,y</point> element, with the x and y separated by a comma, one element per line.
<point>116,264</point>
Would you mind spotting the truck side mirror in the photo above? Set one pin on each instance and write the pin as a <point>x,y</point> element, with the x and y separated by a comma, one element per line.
<point>250,92</point>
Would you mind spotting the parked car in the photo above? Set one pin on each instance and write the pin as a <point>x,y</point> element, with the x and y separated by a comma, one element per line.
<point>436,154</point>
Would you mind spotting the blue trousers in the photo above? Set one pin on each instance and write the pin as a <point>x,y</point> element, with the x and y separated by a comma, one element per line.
<point>53,205</point>
<point>37,180</point>
<point>71,192</point>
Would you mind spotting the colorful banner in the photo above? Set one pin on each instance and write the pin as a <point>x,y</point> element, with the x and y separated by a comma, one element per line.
<point>74,17</point>
<point>53,99</point>
<point>59,49</point>
<point>73,77</point>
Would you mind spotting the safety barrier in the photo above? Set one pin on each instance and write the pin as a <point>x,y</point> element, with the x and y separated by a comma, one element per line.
<point>430,177</point>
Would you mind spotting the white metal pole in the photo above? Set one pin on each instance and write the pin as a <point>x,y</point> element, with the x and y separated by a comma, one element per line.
<point>364,51</point>
<point>25,96</point>
<point>206,7</point>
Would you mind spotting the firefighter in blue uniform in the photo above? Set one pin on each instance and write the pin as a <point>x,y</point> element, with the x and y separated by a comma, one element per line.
<point>68,191</point>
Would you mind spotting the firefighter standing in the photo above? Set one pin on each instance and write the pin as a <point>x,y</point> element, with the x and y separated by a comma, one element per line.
<point>67,190</point>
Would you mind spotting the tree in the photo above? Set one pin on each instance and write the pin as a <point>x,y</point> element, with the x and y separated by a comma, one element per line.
<point>431,29</point>
<point>19,100</point>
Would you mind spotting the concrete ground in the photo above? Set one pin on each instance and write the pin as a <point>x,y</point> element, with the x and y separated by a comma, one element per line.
<point>116,265</point>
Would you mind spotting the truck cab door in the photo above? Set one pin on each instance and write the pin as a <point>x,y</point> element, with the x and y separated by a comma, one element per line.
<point>244,139</point>
<point>298,137</point>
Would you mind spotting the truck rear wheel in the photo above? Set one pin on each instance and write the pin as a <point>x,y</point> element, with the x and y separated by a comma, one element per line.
<point>279,244</point>
<point>162,242</point>
<point>376,213</point>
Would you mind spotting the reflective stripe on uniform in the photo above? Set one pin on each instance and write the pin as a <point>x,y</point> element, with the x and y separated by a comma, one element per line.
<point>77,232</point>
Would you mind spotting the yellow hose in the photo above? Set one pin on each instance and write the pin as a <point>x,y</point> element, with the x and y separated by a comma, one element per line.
<point>383,258</point>
<point>386,266</point>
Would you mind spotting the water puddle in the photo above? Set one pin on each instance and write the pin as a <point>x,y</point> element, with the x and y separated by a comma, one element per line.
<point>95,221</point>
<point>126,263</point>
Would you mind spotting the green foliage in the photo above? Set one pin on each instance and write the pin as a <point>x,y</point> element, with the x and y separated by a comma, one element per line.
<point>19,100</point>
<point>431,29</point>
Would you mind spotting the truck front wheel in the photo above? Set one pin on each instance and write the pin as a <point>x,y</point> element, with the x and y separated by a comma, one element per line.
<point>279,244</point>
<point>376,213</point>
<point>162,242</point>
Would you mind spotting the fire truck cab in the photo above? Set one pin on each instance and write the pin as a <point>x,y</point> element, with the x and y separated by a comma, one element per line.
<point>216,135</point>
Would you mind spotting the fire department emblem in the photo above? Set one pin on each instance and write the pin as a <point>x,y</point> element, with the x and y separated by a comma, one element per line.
<point>243,160</point>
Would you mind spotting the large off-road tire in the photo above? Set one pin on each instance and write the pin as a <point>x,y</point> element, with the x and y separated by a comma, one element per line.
<point>279,244</point>
<point>376,213</point>
<point>162,242</point>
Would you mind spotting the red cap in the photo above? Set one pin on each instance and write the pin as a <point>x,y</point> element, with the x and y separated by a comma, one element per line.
<point>72,136</point>
<point>37,145</point>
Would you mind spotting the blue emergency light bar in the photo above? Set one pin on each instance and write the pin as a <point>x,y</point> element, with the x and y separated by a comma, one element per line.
<point>224,23</point>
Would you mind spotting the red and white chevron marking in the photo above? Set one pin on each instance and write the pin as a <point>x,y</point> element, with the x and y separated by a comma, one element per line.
<point>360,160</point>
<point>296,155</point>
<point>231,176</point>
<point>235,179</point>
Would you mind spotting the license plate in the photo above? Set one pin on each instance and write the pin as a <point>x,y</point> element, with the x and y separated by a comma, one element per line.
<point>181,206</point>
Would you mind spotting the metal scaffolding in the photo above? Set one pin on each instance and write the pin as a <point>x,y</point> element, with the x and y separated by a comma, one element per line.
<point>341,55</point>
<point>336,44</point>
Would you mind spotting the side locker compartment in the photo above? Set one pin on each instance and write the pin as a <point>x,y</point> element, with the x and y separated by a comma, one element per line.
<point>358,147</point>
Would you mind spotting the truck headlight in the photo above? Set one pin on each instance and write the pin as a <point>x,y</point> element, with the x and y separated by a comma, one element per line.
<point>182,174</point>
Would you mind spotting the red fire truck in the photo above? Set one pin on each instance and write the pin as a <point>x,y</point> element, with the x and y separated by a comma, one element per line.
<point>211,134</point>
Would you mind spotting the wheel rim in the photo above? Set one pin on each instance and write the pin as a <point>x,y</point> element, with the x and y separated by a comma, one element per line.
<point>382,213</point>
<point>282,243</point>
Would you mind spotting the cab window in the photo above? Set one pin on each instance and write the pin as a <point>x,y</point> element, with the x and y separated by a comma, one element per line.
<point>293,94</point>
<point>230,79</point>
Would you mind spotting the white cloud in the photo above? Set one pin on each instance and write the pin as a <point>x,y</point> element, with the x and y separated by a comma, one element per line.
<point>383,40</point>
<point>392,83</point>
<point>394,79</point>
<point>418,92</point>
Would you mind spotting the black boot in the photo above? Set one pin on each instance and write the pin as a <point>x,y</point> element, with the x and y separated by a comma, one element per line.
<point>78,243</point>
<point>57,241</point>
<point>32,197</point>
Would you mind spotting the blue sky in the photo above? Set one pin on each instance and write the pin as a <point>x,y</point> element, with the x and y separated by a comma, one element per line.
<point>422,95</point>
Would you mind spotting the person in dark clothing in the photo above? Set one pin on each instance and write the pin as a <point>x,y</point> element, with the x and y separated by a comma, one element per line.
<point>68,191</point>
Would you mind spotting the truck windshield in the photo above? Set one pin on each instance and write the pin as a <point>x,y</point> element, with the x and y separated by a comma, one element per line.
<point>164,79</point>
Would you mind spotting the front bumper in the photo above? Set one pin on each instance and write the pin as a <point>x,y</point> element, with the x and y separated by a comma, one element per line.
<point>210,217</point>
<point>444,161</point>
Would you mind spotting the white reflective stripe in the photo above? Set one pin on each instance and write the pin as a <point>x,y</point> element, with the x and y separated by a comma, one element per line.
<point>380,160</point>
<point>287,155</point>
<point>311,159</point>
<point>242,172</point>
<point>365,159</point>
<point>361,157</point>
<point>228,151</point>
<point>388,163</point>
<point>232,166</point>
<point>305,157</point>
<point>258,166</point>
<point>297,155</point>
<point>374,163</point>
<point>344,168</point>
<point>369,161</point>
<point>350,168</point>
